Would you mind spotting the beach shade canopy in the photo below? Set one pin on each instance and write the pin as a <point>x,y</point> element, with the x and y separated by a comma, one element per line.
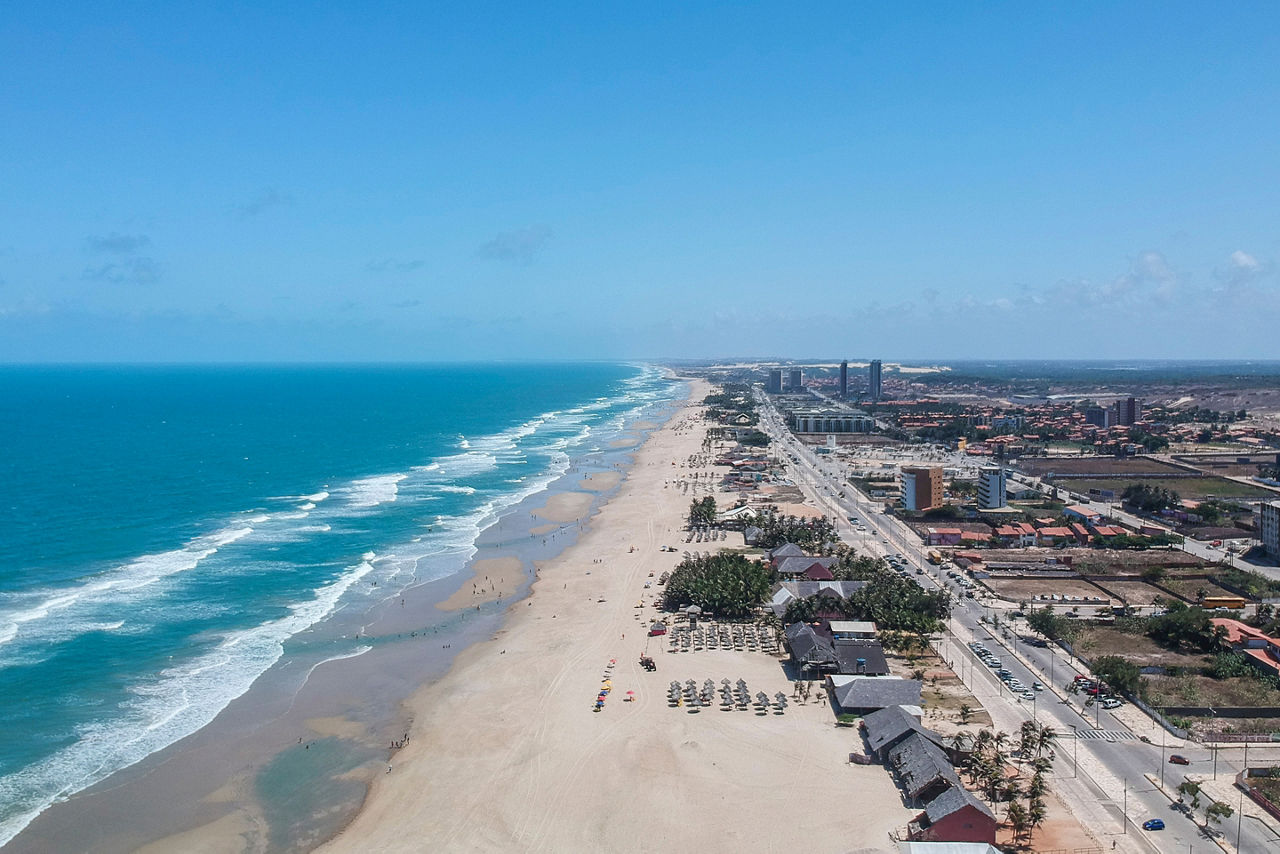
<point>693,609</point>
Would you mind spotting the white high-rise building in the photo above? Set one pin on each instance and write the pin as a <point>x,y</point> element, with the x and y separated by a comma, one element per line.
<point>1269,527</point>
<point>992,482</point>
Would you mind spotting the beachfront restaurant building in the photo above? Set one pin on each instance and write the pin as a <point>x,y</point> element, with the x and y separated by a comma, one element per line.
<point>862,695</point>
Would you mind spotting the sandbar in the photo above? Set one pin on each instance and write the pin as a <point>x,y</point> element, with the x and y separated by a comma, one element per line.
<point>491,579</point>
<point>600,481</point>
<point>565,507</point>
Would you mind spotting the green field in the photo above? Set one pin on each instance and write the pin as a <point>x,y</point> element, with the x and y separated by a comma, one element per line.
<point>1196,488</point>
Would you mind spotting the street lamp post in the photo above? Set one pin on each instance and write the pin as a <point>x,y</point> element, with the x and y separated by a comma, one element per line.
<point>1075,743</point>
<point>1240,814</point>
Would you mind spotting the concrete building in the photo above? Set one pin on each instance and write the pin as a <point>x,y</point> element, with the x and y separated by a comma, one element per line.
<point>874,386</point>
<point>1128,411</point>
<point>921,487</point>
<point>797,379</point>
<point>774,385</point>
<point>844,378</point>
<point>992,487</point>
<point>829,421</point>
<point>1100,417</point>
<point>1269,527</point>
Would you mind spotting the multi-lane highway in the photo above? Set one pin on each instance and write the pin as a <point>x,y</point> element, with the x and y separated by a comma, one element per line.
<point>1102,771</point>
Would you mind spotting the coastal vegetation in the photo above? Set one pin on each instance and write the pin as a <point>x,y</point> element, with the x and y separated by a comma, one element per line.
<point>702,511</point>
<point>812,535</point>
<point>894,604</point>
<point>727,585</point>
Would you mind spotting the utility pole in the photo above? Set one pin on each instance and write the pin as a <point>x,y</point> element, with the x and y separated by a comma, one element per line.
<point>1124,821</point>
<point>1162,737</point>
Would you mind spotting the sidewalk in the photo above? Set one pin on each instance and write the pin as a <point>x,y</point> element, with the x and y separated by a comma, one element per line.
<point>1093,794</point>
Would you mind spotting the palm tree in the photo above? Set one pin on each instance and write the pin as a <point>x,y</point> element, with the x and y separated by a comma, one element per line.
<point>1028,737</point>
<point>1017,818</point>
<point>1045,740</point>
<point>1036,814</point>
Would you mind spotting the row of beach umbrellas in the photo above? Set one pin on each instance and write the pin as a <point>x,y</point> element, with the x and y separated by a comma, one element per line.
<point>732,696</point>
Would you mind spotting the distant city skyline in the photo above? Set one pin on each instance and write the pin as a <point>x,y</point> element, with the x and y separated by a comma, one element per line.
<point>397,183</point>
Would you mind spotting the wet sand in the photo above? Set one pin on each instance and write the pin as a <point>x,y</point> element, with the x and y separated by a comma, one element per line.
<point>565,507</point>
<point>491,579</point>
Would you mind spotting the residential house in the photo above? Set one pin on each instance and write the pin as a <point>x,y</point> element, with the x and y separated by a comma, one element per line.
<point>1262,651</point>
<point>944,536</point>
<point>1054,535</point>
<point>1084,514</point>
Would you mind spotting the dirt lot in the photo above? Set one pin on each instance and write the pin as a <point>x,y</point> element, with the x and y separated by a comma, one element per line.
<point>1026,590</point>
<point>1195,488</point>
<point>1136,593</point>
<point>943,693</point>
<point>1197,690</point>
<point>1189,588</point>
<point>1095,465</point>
<point>1103,561</point>
<point>1227,463</point>
<point>1123,562</point>
<point>1095,641</point>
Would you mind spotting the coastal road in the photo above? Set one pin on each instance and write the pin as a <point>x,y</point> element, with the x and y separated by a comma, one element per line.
<point>1112,760</point>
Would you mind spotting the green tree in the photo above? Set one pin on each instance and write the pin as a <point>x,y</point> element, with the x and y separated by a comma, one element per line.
<point>1118,672</point>
<point>1190,789</point>
<point>1017,819</point>
<point>702,511</point>
<point>723,585</point>
<point>1216,812</point>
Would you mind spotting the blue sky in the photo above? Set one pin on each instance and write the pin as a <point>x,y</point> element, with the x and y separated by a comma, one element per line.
<point>342,181</point>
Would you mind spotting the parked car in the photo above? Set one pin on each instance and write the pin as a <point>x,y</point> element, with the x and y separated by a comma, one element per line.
<point>1112,703</point>
<point>1037,686</point>
<point>1153,824</point>
<point>1179,759</point>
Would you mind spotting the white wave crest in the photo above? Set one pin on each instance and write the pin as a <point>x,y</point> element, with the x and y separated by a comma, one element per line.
<point>180,701</point>
<point>372,491</point>
<point>34,608</point>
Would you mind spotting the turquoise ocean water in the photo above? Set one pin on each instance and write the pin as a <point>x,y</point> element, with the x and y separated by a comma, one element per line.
<point>167,534</point>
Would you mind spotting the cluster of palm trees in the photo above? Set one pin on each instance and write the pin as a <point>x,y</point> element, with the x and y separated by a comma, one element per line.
<point>722,585</point>
<point>810,534</point>
<point>986,769</point>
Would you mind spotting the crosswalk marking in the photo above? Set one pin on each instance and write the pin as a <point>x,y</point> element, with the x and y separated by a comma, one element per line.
<point>1112,735</point>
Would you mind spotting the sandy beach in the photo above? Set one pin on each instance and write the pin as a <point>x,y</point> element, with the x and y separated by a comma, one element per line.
<point>507,753</point>
<point>491,579</point>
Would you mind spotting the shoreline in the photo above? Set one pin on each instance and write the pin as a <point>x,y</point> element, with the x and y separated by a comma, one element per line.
<point>226,786</point>
<point>506,752</point>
